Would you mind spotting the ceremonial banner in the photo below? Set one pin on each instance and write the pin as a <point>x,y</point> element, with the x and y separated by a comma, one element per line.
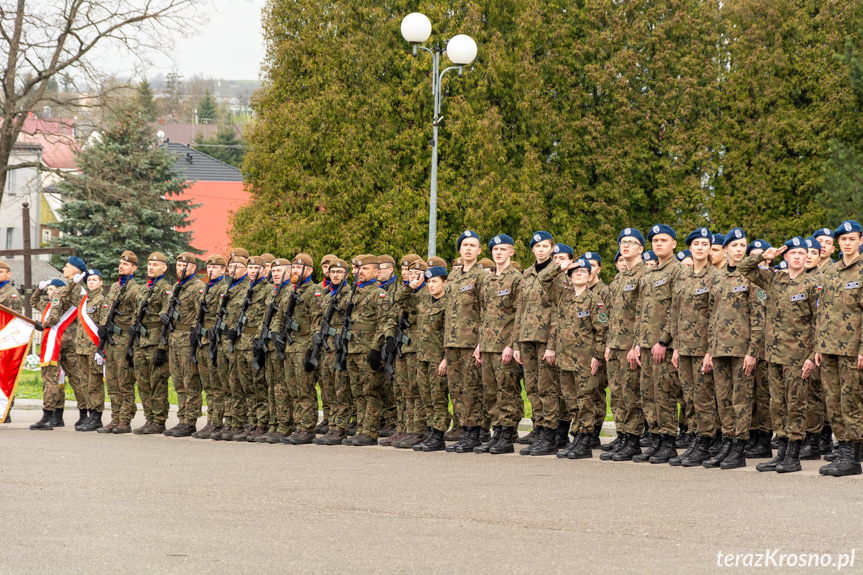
<point>16,333</point>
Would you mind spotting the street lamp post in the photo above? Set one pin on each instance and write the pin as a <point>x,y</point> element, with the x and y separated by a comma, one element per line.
<point>461,51</point>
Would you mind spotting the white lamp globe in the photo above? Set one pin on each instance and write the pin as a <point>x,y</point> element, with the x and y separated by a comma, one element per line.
<point>416,27</point>
<point>461,49</point>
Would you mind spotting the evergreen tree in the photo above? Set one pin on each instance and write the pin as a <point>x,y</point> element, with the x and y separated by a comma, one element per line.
<point>127,196</point>
<point>145,102</point>
<point>208,111</point>
<point>225,146</point>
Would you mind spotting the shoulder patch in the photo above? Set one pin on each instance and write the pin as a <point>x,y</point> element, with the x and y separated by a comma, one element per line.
<point>200,291</point>
<point>602,317</point>
<point>761,294</point>
<point>317,294</point>
<point>382,294</point>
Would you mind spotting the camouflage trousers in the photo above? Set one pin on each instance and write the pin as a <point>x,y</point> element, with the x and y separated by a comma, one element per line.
<point>433,391</point>
<point>578,388</point>
<point>465,383</point>
<point>281,409</point>
<point>843,393</point>
<point>211,384</point>
<point>53,390</point>
<point>366,387</point>
<point>239,412</point>
<point>788,400</point>
<point>343,409</point>
<point>390,413</point>
<point>699,395</point>
<point>762,418</point>
<point>253,384</point>
<point>73,372</point>
<point>623,384</point>
<point>543,391</point>
<point>816,408</point>
<point>600,404</point>
<point>120,381</point>
<point>152,385</point>
<point>407,392</point>
<point>734,396</point>
<point>327,387</point>
<point>302,387</point>
<point>220,375</point>
<point>501,390</point>
<point>187,382</point>
<point>677,392</point>
<point>658,393</point>
<point>94,386</point>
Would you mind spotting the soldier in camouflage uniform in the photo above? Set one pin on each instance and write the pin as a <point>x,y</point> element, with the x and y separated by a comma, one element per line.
<point>299,373</point>
<point>735,332</point>
<point>498,299</point>
<point>9,296</point>
<point>391,423</point>
<point>151,357</point>
<point>789,335</point>
<point>53,388</point>
<point>690,316</point>
<point>623,377</point>
<point>184,372</point>
<point>819,434</point>
<point>838,351</point>
<point>461,336</point>
<point>326,385</point>
<point>827,240</point>
<point>211,381</point>
<point>226,369</point>
<point>603,292</point>
<point>576,345</point>
<point>96,310</point>
<point>119,378</point>
<point>718,258</point>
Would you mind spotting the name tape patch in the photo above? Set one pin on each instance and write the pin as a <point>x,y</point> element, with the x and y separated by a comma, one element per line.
<point>852,285</point>
<point>701,291</point>
<point>738,289</point>
<point>798,297</point>
<point>503,292</point>
<point>583,314</point>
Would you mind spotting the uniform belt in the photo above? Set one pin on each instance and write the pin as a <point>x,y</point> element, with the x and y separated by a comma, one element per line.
<point>250,331</point>
<point>151,324</point>
<point>208,325</point>
<point>121,325</point>
<point>356,329</point>
<point>182,326</point>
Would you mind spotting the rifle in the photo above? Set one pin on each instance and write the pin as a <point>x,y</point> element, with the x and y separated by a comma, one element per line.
<point>319,340</point>
<point>136,330</point>
<point>242,319</point>
<point>215,334</point>
<point>394,351</point>
<point>195,334</point>
<point>289,325</point>
<point>172,313</point>
<point>259,344</point>
<point>110,328</point>
<point>340,340</point>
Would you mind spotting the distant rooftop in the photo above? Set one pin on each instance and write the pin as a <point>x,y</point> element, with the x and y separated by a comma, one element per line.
<point>197,166</point>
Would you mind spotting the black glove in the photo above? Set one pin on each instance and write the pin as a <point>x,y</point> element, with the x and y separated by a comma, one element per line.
<point>39,326</point>
<point>166,319</point>
<point>316,339</point>
<point>389,346</point>
<point>307,361</point>
<point>277,340</point>
<point>375,359</point>
<point>133,331</point>
<point>161,358</point>
<point>257,346</point>
<point>101,332</point>
<point>233,335</point>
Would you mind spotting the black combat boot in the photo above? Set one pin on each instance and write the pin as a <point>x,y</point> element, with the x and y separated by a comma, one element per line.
<point>754,434</point>
<point>83,414</point>
<point>791,463</point>
<point>452,448</point>
<point>848,462</point>
<point>631,447</point>
<point>562,436</point>
<point>833,458</point>
<point>761,448</point>
<point>44,424</point>
<point>646,440</point>
<point>811,447</point>
<point>595,443</point>
<point>735,457</point>
<point>724,450</point>
<point>566,449</point>
<point>485,447</point>
<point>57,418</point>
<point>780,457</point>
<point>547,444</point>
<point>826,439</point>
<point>94,421</point>
<point>426,438</point>
<point>484,434</point>
<point>530,437</point>
<point>655,445</point>
<point>436,443</point>
<point>539,432</point>
<point>613,445</point>
<point>471,440</point>
<point>678,460</point>
<point>506,442</point>
<point>716,444</point>
<point>774,441</point>
<point>583,449</point>
<point>666,450</point>
<point>699,454</point>
<point>682,439</point>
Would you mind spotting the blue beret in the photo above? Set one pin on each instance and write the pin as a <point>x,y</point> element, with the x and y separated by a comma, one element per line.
<point>616,256</point>
<point>758,245</point>
<point>733,235</point>
<point>501,239</point>
<point>823,232</point>
<point>593,256</point>
<point>57,283</point>
<point>436,272</point>
<point>719,239</point>
<point>579,263</point>
<point>683,255</point>
<point>464,235</point>
<point>93,272</point>
<point>661,229</point>
<point>700,233</point>
<point>649,256</point>
<point>813,244</point>
<point>538,237</point>
<point>563,249</point>
<point>848,227</point>
<point>796,243</point>
<point>77,262</point>
<point>783,265</point>
<point>631,233</point>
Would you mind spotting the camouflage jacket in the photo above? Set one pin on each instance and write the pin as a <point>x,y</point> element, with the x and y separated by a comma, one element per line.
<point>790,315</point>
<point>126,310</point>
<point>603,292</point>
<point>407,304</point>
<point>690,310</point>
<point>579,324</point>
<point>10,297</point>
<point>657,286</point>
<point>257,295</point>
<point>212,300</point>
<point>461,329</point>
<point>186,312</point>
<point>429,326</point>
<point>736,327</point>
<point>277,300</point>
<point>533,318</point>
<point>498,300</point>
<point>64,298</point>
<point>151,323</point>
<point>625,306</point>
<point>235,294</point>
<point>338,318</point>
<point>840,309</point>
<point>373,319</point>
<point>306,314</point>
<point>97,311</point>
<point>39,301</point>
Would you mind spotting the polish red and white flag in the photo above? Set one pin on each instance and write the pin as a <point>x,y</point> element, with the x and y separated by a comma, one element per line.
<point>16,333</point>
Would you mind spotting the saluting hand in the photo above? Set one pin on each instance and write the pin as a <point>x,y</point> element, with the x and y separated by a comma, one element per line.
<point>771,253</point>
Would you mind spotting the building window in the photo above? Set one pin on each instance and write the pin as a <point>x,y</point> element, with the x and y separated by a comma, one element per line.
<point>10,234</point>
<point>10,182</point>
<point>46,236</point>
